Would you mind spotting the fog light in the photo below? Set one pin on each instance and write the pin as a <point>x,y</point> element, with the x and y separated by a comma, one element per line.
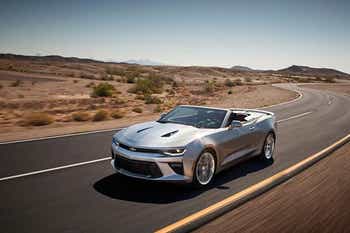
<point>177,167</point>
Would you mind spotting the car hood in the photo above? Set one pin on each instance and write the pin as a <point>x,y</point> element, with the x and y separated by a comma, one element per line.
<point>154,134</point>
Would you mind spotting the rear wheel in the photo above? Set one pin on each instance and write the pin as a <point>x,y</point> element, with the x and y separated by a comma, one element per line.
<point>269,148</point>
<point>204,170</point>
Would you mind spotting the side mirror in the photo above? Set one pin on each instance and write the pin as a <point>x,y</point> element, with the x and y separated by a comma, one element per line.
<point>235,124</point>
<point>162,115</point>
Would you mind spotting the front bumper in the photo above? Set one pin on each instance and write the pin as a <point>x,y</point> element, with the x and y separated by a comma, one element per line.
<point>151,166</point>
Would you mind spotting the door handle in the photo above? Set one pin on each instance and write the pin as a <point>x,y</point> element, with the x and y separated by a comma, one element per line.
<point>252,127</point>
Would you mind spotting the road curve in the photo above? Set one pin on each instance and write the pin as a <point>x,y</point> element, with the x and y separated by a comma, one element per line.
<point>91,198</point>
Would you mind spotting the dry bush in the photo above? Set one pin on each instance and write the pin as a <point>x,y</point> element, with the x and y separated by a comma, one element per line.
<point>158,109</point>
<point>16,83</point>
<point>117,114</point>
<point>137,110</point>
<point>150,85</point>
<point>1,86</point>
<point>230,92</point>
<point>91,84</point>
<point>149,99</point>
<point>37,119</point>
<point>81,116</point>
<point>100,115</point>
<point>329,80</point>
<point>248,79</point>
<point>103,90</point>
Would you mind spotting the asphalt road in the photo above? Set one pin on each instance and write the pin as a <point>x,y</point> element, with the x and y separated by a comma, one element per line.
<point>91,198</point>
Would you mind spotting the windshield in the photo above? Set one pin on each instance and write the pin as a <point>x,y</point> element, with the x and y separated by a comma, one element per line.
<point>195,116</point>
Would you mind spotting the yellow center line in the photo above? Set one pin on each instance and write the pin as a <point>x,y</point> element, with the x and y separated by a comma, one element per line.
<point>250,190</point>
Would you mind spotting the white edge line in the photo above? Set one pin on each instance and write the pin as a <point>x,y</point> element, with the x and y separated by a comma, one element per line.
<point>109,130</point>
<point>53,169</point>
<point>293,117</point>
<point>59,136</point>
<point>103,159</point>
<point>288,102</point>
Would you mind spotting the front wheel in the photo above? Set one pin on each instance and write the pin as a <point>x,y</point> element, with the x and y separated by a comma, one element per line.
<point>204,170</point>
<point>269,148</point>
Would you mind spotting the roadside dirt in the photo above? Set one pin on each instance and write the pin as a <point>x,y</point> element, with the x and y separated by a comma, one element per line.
<point>316,200</point>
<point>61,97</point>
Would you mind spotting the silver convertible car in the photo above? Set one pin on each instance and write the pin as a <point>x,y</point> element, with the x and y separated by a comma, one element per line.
<point>191,143</point>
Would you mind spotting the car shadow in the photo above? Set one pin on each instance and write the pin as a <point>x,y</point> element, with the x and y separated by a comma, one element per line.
<point>120,187</point>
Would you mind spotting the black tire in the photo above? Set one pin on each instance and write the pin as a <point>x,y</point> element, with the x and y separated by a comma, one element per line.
<point>199,181</point>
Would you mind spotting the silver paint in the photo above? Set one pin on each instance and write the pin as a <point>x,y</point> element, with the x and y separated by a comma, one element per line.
<point>229,145</point>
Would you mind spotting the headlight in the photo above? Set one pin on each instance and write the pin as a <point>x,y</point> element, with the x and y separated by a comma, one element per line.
<point>115,141</point>
<point>175,152</point>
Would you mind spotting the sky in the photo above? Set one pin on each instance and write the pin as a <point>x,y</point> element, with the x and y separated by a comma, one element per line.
<point>259,34</point>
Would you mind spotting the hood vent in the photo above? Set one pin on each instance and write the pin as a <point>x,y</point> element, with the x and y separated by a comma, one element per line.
<point>139,131</point>
<point>169,134</point>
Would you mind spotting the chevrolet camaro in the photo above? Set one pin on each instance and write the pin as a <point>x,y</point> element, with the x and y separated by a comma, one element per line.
<point>191,143</point>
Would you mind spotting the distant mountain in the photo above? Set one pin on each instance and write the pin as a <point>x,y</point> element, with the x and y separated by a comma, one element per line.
<point>54,58</point>
<point>145,62</point>
<point>241,68</point>
<point>311,71</point>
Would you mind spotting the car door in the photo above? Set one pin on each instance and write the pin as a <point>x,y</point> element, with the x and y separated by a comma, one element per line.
<point>237,142</point>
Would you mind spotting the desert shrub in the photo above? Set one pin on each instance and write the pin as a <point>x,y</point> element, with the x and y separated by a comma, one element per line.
<point>33,83</point>
<point>149,85</point>
<point>130,79</point>
<point>37,119</point>
<point>230,92</point>
<point>107,77</point>
<point>329,80</point>
<point>115,71</point>
<point>75,81</point>
<point>117,114</point>
<point>158,109</point>
<point>81,116</point>
<point>137,109</point>
<point>248,79</point>
<point>149,99</point>
<point>103,90</point>
<point>100,115</point>
<point>16,83</point>
<point>91,84</point>
<point>87,76</point>
<point>1,86</point>
<point>229,83</point>
<point>237,82</point>
<point>209,86</point>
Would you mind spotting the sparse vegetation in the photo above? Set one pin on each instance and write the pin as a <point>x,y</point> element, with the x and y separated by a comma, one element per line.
<point>248,79</point>
<point>117,114</point>
<point>329,80</point>
<point>158,109</point>
<point>100,115</point>
<point>81,116</point>
<point>209,86</point>
<point>229,83</point>
<point>37,119</point>
<point>1,86</point>
<point>149,99</point>
<point>16,83</point>
<point>91,84</point>
<point>75,81</point>
<point>137,110</point>
<point>103,90</point>
<point>150,85</point>
<point>230,92</point>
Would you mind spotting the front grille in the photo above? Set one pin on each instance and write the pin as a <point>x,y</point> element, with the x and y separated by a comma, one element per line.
<point>126,147</point>
<point>145,168</point>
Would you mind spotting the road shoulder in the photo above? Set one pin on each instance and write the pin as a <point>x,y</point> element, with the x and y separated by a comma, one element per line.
<point>316,200</point>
